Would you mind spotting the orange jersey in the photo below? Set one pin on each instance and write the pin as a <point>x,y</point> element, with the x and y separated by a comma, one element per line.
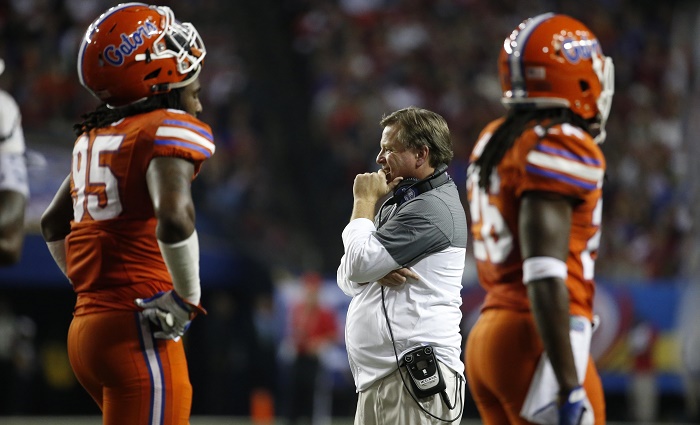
<point>112,252</point>
<point>566,161</point>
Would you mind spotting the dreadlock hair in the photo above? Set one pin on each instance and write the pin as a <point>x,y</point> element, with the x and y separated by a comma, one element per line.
<point>104,115</point>
<point>516,121</point>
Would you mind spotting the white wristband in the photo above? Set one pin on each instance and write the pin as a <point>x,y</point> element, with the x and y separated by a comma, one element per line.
<point>182,260</point>
<point>58,252</point>
<point>542,267</point>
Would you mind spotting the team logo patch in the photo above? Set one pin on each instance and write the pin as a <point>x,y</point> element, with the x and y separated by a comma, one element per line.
<point>575,51</point>
<point>115,55</point>
<point>409,194</point>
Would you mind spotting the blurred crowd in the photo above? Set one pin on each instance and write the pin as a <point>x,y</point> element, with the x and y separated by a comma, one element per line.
<point>369,57</point>
<point>295,89</point>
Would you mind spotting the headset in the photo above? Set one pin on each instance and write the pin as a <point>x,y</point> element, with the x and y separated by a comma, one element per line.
<point>421,359</point>
<point>411,187</point>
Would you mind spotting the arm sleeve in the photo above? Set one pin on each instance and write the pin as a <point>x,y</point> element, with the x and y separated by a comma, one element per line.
<point>182,260</point>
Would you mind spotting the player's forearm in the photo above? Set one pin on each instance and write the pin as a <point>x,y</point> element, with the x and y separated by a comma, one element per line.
<point>549,299</point>
<point>55,221</point>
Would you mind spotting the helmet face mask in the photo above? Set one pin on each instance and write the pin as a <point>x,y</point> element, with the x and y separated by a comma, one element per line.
<point>134,51</point>
<point>554,61</point>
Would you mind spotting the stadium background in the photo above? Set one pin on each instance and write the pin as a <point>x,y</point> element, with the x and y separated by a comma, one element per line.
<point>294,90</point>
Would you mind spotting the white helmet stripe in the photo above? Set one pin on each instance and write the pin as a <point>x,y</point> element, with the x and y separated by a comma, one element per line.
<point>515,57</point>
<point>91,30</point>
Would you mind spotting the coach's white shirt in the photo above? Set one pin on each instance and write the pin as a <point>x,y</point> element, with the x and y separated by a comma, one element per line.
<point>423,311</point>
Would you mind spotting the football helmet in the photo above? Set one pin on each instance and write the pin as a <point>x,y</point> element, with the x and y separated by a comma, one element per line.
<point>134,50</point>
<point>552,61</point>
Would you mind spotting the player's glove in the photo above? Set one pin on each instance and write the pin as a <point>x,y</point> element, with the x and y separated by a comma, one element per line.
<point>576,410</point>
<point>170,312</point>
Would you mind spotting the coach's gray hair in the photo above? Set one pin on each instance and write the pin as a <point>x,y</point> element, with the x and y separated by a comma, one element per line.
<point>416,127</point>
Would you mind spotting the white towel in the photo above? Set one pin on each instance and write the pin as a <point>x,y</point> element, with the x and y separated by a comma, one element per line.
<point>540,405</point>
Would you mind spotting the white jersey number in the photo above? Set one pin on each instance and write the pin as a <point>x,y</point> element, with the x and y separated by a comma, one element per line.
<point>496,239</point>
<point>96,188</point>
<point>587,259</point>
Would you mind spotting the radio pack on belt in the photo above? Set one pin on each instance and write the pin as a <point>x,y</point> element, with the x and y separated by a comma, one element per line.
<point>422,367</point>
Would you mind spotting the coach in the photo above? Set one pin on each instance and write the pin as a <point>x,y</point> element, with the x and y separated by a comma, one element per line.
<point>403,272</point>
